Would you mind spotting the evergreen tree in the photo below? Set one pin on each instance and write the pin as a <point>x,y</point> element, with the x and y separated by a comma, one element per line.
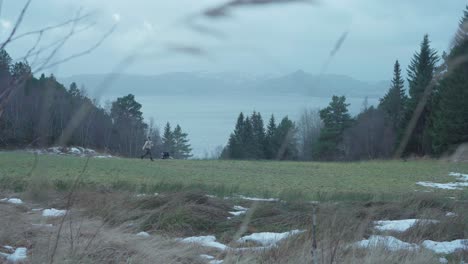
<point>129,128</point>
<point>420,74</point>
<point>335,120</point>
<point>168,139</point>
<point>286,140</point>
<point>462,32</point>
<point>182,147</point>
<point>234,149</point>
<point>450,115</point>
<point>126,108</point>
<point>248,142</point>
<point>393,103</point>
<point>271,147</point>
<point>74,91</point>
<point>258,133</point>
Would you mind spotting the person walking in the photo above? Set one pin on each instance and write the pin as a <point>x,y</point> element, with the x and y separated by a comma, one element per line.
<point>147,148</point>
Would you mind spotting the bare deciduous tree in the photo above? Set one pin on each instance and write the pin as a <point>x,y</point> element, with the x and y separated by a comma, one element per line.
<point>308,126</point>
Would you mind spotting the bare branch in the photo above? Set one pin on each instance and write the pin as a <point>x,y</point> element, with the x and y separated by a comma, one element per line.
<point>79,54</point>
<point>49,28</point>
<point>17,24</point>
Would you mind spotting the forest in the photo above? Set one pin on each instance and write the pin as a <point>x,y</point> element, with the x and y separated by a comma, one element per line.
<point>428,118</point>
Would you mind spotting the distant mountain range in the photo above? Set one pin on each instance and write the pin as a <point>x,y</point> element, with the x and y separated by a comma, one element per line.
<point>193,83</point>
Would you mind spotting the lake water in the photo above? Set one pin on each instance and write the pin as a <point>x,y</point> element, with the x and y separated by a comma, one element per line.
<point>209,120</point>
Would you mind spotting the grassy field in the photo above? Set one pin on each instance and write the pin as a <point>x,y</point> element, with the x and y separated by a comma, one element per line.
<point>311,180</point>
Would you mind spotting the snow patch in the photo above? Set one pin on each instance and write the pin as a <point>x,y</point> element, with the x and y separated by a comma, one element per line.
<point>451,214</point>
<point>387,242</point>
<point>73,151</point>
<point>207,256</point>
<point>143,234</point>
<point>400,225</point>
<point>12,200</point>
<point>20,254</point>
<point>239,210</point>
<point>258,199</point>
<point>207,241</point>
<point>446,247</point>
<point>462,181</point>
<point>53,212</point>
<point>460,176</point>
<point>445,186</point>
<point>268,238</point>
<point>211,259</point>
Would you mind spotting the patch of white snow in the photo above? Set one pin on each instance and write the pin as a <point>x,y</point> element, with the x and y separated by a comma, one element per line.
<point>53,212</point>
<point>20,254</point>
<point>400,225</point>
<point>451,214</point>
<point>445,186</point>
<point>388,242</point>
<point>12,200</point>
<point>207,256</point>
<point>259,199</point>
<point>268,238</point>
<point>207,241</point>
<point>143,234</point>
<point>446,247</point>
<point>462,181</point>
<point>239,210</point>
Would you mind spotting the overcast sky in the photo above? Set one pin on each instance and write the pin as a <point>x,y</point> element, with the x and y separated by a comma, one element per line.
<point>261,40</point>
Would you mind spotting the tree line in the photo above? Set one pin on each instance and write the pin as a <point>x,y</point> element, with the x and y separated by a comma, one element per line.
<point>437,93</point>
<point>250,139</point>
<point>40,111</point>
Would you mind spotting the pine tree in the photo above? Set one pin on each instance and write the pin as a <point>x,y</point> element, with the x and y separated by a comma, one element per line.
<point>393,103</point>
<point>168,139</point>
<point>335,120</point>
<point>420,74</point>
<point>182,147</point>
<point>271,147</point>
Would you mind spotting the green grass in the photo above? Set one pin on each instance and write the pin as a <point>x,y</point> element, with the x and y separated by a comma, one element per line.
<point>311,180</point>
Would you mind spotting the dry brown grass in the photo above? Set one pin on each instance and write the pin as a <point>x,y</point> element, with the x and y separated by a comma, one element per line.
<point>85,240</point>
<point>102,225</point>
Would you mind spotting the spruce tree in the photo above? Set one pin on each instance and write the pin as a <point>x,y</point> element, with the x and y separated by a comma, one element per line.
<point>393,103</point>
<point>450,115</point>
<point>258,133</point>
<point>335,119</point>
<point>462,32</point>
<point>420,74</point>
<point>168,139</point>
<point>248,142</point>
<point>271,147</point>
<point>182,147</point>
<point>235,146</point>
